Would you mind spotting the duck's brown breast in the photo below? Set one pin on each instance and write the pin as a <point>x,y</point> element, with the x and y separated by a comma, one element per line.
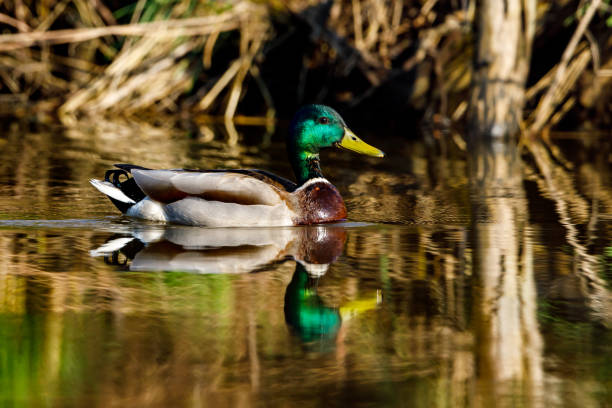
<point>319,202</point>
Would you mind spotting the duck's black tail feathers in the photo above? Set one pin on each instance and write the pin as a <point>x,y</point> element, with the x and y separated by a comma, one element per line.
<point>123,194</point>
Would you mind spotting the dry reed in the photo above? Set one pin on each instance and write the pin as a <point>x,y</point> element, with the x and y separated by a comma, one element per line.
<point>152,70</point>
<point>70,54</point>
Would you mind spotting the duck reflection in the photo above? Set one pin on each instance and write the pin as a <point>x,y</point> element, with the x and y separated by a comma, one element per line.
<point>237,250</point>
<point>224,250</point>
<point>305,312</point>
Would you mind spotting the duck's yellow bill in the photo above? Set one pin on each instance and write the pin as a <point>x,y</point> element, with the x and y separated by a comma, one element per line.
<point>350,141</point>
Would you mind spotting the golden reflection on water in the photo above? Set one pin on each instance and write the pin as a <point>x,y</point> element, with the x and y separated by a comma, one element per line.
<point>487,284</point>
<point>504,291</point>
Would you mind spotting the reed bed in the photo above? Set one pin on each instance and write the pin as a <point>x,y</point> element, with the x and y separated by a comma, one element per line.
<point>153,62</point>
<point>91,57</point>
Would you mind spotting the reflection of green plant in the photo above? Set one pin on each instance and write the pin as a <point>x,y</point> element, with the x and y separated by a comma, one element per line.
<point>46,355</point>
<point>584,347</point>
<point>603,372</point>
<point>178,291</point>
<point>606,270</point>
<point>549,315</point>
<point>21,353</point>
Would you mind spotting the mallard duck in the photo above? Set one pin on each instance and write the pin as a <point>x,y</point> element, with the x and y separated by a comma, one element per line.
<point>224,198</point>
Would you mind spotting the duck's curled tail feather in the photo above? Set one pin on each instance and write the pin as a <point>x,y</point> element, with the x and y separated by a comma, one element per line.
<point>118,197</point>
<point>123,194</point>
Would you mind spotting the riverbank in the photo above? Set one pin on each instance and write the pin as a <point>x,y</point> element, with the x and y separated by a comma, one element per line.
<point>391,61</point>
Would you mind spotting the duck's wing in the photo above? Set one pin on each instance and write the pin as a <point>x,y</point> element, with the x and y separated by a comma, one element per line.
<point>168,186</point>
<point>263,175</point>
<point>288,185</point>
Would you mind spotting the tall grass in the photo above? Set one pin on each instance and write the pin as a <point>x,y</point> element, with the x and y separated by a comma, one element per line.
<point>91,57</point>
<point>145,56</point>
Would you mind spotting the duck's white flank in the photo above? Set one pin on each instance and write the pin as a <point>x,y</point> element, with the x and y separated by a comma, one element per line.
<point>149,210</point>
<point>111,191</point>
<point>311,182</point>
<point>197,211</point>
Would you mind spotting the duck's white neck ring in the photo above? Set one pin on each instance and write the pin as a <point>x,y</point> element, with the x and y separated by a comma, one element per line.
<point>311,182</point>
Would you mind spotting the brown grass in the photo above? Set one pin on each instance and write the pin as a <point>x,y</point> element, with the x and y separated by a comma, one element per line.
<point>66,54</point>
<point>152,70</point>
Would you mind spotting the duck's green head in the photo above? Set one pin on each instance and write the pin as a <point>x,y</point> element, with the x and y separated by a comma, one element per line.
<point>316,127</point>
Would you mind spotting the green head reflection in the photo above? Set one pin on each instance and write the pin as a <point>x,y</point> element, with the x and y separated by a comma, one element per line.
<point>305,312</point>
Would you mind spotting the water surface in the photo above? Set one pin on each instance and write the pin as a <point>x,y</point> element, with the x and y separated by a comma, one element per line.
<point>460,279</point>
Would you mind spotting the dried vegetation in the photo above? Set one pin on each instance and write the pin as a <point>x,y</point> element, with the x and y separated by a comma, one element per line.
<point>148,64</point>
<point>91,57</point>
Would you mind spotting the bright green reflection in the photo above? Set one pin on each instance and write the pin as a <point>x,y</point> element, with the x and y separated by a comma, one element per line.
<point>308,315</point>
<point>305,312</point>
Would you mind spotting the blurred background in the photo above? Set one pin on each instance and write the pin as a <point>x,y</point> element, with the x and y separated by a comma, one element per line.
<point>476,263</point>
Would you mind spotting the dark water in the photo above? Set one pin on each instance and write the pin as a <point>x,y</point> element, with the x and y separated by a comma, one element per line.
<point>461,279</point>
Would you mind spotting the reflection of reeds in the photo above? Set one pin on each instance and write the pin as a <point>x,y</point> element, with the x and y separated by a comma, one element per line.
<point>573,210</point>
<point>159,338</point>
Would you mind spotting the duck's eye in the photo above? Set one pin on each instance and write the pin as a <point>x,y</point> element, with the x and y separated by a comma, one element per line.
<point>323,120</point>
